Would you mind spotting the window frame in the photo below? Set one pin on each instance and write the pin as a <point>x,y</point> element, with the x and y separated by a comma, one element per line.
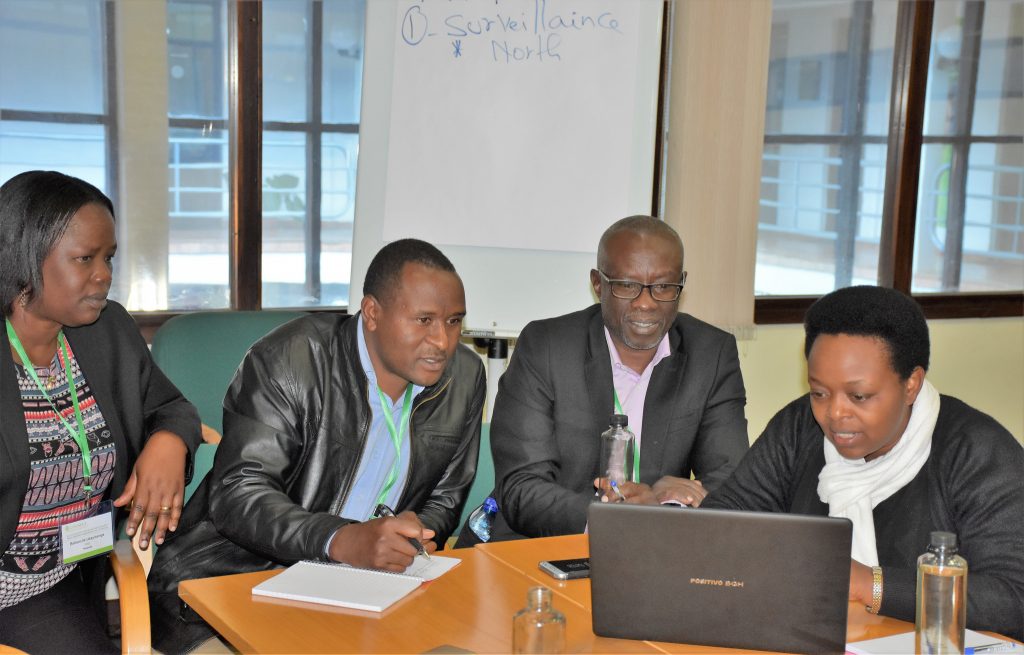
<point>903,160</point>
<point>245,127</point>
<point>313,128</point>
<point>245,111</point>
<point>107,119</point>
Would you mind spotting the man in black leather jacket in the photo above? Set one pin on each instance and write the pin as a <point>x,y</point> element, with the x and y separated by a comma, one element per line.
<point>307,453</point>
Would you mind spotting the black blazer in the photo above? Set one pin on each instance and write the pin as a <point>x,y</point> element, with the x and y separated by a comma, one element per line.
<point>136,399</point>
<point>555,400</point>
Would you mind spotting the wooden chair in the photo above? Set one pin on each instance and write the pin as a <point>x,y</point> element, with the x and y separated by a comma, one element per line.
<point>130,576</point>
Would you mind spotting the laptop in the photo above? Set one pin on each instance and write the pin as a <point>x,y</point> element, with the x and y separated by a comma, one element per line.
<point>720,578</point>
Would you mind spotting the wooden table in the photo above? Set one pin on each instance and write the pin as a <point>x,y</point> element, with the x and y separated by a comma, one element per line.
<point>523,556</point>
<point>470,608</point>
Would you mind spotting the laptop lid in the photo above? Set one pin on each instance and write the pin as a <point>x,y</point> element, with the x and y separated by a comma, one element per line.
<point>720,578</point>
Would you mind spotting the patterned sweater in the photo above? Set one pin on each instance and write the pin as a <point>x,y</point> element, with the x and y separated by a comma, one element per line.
<point>55,496</point>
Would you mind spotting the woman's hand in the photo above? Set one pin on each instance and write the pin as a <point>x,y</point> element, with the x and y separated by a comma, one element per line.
<point>156,488</point>
<point>861,581</point>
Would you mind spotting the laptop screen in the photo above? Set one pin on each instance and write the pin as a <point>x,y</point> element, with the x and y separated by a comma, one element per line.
<point>720,578</point>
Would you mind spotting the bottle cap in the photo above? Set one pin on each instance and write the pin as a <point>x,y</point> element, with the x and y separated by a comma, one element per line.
<point>538,597</point>
<point>943,539</point>
<point>490,505</point>
<point>619,421</point>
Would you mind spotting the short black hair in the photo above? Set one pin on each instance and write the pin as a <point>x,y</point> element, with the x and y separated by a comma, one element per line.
<point>869,311</point>
<point>386,268</point>
<point>638,224</point>
<point>35,210</point>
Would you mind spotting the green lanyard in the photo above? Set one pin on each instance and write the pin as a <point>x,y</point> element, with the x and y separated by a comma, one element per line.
<point>636,446</point>
<point>79,434</point>
<point>396,435</point>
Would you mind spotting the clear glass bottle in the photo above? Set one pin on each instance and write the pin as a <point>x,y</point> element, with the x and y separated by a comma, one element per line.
<point>617,448</point>
<point>482,518</point>
<point>538,627</point>
<point>941,597</point>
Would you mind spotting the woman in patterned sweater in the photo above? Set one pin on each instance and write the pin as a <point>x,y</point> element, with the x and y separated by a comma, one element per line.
<point>85,414</point>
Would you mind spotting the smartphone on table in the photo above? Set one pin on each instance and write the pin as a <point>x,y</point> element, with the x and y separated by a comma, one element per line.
<point>567,569</point>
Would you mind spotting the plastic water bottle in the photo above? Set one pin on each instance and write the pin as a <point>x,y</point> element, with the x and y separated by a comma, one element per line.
<point>941,597</point>
<point>538,627</point>
<point>617,443</point>
<point>482,518</point>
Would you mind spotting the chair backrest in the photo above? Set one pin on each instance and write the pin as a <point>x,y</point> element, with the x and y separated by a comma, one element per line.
<point>200,352</point>
<point>483,484</point>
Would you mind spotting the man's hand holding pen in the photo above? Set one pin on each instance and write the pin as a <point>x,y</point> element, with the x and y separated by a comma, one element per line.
<point>384,511</point>
<point>382,543</point>
<point>625,492</point>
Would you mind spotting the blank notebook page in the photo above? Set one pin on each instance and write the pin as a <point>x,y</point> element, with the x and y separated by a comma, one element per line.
<point>336,584</point>
<point>345,586</point>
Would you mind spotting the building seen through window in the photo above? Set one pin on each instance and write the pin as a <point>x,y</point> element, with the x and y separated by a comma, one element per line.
<point>826,131</point>
<point>133,97</point>
<point>53,104</point>
<point>68,66</point>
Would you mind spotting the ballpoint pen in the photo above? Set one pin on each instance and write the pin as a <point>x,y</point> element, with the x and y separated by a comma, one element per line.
<point>382,511</point>
<point>615,488</point>
<point>1000,646</point>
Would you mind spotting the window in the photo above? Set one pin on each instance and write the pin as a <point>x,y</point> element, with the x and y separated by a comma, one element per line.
<point>198,162</point>
<point>55,121</point>
<point>970,212</point>
<point>86,91</point>
<point>312,74</point>
<point>833,189</point>
<point>824,154</point>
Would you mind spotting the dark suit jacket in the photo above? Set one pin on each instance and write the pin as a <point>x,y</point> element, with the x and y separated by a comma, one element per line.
<point>136,399</point>
<point>555,400</point>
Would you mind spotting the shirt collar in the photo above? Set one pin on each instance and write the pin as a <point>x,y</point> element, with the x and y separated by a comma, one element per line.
<point>663,351</point>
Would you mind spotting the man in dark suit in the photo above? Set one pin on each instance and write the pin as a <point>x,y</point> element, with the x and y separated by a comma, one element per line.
<point>677,378</point>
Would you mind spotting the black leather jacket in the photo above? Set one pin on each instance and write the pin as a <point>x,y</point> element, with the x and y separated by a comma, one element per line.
<point>296,418</point>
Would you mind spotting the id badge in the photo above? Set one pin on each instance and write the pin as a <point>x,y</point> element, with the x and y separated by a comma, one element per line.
<point>90,536</point>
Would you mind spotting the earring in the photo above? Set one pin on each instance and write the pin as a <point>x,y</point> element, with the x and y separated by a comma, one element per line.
<point>23,298</point>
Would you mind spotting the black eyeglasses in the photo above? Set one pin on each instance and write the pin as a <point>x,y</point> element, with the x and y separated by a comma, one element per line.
<point>631,290</point>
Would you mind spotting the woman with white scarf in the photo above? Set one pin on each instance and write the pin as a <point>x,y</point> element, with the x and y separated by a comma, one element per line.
<point>874,442</point>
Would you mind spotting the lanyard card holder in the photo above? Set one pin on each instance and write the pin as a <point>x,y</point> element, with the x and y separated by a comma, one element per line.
<point>90,536</point>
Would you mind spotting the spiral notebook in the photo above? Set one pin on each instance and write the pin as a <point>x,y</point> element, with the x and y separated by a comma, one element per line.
<point>347,586</point>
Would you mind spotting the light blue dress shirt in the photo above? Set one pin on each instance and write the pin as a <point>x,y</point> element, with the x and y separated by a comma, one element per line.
<point>379,453</point>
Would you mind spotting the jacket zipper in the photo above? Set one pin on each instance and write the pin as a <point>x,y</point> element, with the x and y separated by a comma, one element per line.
<point>412,442</point>
<point>364,431</point>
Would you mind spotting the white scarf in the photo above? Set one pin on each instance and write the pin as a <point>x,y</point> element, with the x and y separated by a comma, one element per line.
<point>853,487</point>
